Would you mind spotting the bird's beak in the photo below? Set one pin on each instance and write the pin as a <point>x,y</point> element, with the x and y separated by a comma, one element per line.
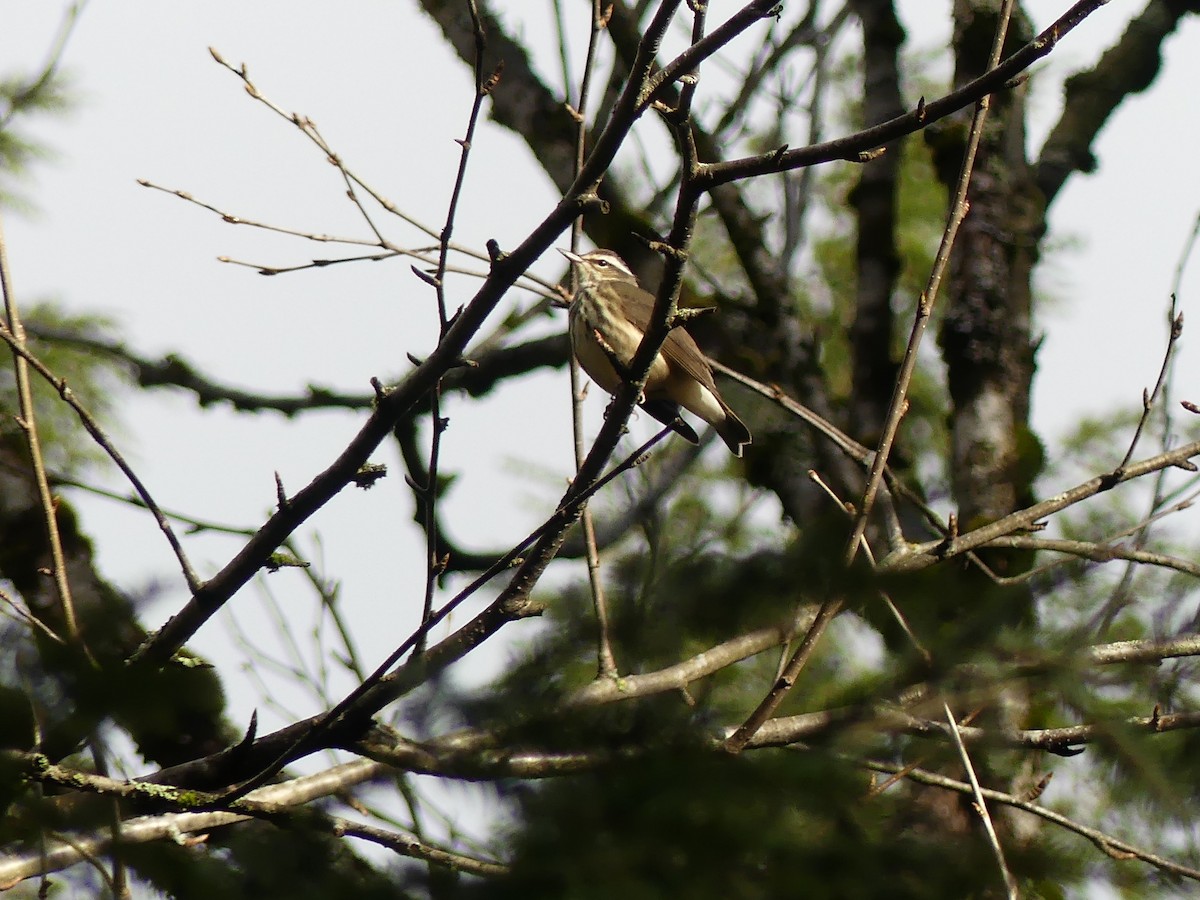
<point>573,257</point>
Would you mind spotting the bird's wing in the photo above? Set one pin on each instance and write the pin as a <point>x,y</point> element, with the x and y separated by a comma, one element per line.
<point>680,348</point>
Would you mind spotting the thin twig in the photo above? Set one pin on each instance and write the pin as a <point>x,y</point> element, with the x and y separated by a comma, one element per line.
<point>274,803</point>
<point>428,493</point>
<point>921,556</point>
<point>606,663</point>
<point>231,219</point>
<point>896,409</point>
<point>1116,602</point>
<point>499,613</point>
<point>1174,332</point>
<point>1010,883</point>
<point>1108,844</point>
<point>958,211</point>
<point>308,129</point>
<point>394,404</point>
<point>14,334</point>
<point>98,434</point>
<point>426,255</point>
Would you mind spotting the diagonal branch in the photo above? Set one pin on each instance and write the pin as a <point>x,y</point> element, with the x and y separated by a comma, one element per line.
<point>276,803</point>
<point>856,147</point>
<point>1110,845</point>
<point>924,555</point>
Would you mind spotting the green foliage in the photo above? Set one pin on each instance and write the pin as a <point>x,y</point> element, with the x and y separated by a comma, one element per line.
<point>921,217</point>
<point>95,380</point>
<point>698,825</point>
<point>22,97</point>
<point>260,860</point>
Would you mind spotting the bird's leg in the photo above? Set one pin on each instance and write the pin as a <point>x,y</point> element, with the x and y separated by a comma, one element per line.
<point>608,409</point>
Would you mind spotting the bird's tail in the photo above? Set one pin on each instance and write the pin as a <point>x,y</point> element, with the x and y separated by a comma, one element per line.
<point>733,432</point>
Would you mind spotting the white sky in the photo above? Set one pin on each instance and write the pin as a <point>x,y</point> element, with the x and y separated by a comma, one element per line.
<point>391,99</point>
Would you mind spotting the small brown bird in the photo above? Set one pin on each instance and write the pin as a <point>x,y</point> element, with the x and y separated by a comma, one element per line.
<point>609,316</point>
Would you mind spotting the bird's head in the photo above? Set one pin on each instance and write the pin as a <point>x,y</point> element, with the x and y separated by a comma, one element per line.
<point>599,267</point>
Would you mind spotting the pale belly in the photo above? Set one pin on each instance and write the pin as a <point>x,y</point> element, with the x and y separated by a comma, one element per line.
<point>622,339</point>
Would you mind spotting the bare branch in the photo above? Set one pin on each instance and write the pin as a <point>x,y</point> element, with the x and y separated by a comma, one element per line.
<point>924,555</point>
<point>17,345</point>
<point>1106,843</point>
<point>271,803</point>
<point>14,335</point>
<point>852,147</point>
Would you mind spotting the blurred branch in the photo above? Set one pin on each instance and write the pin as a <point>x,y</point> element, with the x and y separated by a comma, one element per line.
<point>271,803</point>
<point>980,805</point>
<point>1109,845</point>
<point>473,755</point>
<point>1128,67</point>
<point>487,370</point>
<point>1142,651</point>
<point>1090,550</point>
<point>832,605</point>
<point>21,98</point>
<point>13,334</point>
<point>783,731</point>
<point>924,555</point>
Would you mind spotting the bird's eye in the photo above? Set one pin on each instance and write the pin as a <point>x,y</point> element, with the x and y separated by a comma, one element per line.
<point>602,263</point>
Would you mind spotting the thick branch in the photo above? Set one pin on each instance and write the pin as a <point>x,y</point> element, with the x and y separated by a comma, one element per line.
<point>874,199</point>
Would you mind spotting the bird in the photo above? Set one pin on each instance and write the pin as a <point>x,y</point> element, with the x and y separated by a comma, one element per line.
<point>609,315</point>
